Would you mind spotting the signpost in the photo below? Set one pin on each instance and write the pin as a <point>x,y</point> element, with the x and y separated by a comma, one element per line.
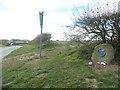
<point>41,26</point>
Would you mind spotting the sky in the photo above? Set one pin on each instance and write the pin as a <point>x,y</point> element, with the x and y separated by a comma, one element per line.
<point>19,19</point>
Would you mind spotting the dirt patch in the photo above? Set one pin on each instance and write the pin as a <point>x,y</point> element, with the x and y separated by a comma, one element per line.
<point>21,58</point>
<point>92,82</point>
<point>106,67</point>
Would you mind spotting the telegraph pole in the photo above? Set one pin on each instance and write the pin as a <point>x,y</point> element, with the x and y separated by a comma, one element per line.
<point>41,26</point>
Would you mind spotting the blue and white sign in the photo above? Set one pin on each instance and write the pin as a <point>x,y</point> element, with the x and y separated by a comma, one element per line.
<point>101,52</point>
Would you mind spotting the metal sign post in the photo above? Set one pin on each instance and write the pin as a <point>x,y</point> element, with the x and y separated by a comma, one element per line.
<point>41,25</point>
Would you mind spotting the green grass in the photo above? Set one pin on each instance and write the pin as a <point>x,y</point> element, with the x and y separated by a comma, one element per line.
<point>2,45</point>
<point>27,48</point>
<point>59,67</point>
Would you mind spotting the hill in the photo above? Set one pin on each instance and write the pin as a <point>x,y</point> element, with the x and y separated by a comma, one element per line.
<point>59,67</point>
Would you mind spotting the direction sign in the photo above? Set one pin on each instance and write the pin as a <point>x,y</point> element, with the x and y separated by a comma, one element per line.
<point>41,25</point>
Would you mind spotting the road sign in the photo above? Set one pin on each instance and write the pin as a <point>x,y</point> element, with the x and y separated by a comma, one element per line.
<point>41,25</point>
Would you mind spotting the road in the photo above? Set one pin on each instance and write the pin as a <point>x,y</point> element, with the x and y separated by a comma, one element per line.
<point>4,51</point>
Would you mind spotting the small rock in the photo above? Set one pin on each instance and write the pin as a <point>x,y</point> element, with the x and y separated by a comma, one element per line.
<point>90,63</point>
<point>102,63</point>
<point>98,63</point>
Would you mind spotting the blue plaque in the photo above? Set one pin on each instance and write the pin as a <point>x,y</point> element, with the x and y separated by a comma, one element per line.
<point>101,52</point>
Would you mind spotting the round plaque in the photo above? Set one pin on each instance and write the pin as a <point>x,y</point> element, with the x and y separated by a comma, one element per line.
<point>103,53</point>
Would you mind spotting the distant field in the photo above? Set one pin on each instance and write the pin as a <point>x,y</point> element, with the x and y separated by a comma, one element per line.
<point>1,45</point>
<point>59,67</point>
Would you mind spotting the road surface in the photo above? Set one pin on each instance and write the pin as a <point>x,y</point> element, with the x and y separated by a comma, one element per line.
<point>4,51</point>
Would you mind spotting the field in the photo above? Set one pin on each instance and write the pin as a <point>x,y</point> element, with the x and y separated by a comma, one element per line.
<point>59,67</point>
<point>1,45</point>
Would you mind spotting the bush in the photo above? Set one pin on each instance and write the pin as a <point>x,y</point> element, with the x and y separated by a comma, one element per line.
<point>45,39</point>
<point>116,47</point>
<point>52,44</point>
<point>85,51</point>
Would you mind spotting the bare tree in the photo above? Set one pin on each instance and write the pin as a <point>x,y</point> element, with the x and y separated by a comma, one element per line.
<point>98,23</point>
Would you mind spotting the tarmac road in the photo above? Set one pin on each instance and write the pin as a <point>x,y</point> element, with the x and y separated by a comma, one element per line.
<point>4,51</point>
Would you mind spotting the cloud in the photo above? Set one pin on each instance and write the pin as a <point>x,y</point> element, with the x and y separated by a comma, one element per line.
<point>21,19</point>
<point>2,7</point>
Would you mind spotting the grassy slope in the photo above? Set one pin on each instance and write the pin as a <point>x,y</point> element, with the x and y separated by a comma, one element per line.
<point>59,67</point>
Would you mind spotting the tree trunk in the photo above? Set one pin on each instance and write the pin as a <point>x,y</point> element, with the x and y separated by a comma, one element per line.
<point>118,35</point>
<point>118,28</point>
<point>104,40</point>
<point>103,36</point>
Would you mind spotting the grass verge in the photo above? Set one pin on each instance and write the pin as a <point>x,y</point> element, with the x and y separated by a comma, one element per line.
<point>59,67</point>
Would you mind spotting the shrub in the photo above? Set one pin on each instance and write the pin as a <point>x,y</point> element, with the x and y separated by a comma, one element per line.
<point>85,51</point>
<point>45,38</point>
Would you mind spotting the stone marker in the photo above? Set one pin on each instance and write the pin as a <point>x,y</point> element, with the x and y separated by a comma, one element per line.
<point>103,53</point>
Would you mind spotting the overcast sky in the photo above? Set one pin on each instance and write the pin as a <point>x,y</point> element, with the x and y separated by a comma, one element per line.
<point>19,19</point>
